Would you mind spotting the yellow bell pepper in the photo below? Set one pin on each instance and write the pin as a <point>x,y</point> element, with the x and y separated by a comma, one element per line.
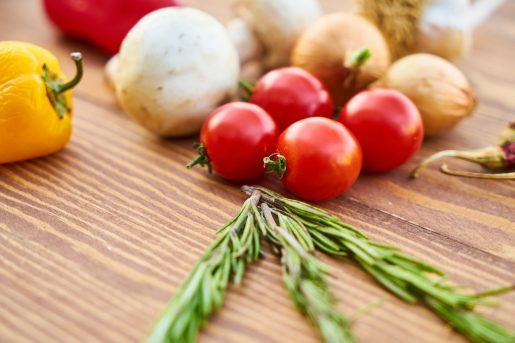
<point>35,101</point>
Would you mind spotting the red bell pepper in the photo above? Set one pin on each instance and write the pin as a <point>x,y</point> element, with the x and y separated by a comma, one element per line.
<point>101,22</point>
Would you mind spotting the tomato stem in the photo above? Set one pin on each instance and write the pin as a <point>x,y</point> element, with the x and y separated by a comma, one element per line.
<point>248,89</point>
<point>276,164</point>
<point>202,159</point>
<point>337,112</point>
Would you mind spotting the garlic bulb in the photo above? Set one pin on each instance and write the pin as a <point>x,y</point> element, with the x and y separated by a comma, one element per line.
<point>441,27</point>
<point>440,91</point>
<point>444,30</point>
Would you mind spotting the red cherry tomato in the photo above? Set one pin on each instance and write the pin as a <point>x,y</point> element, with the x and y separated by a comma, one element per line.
<point>236,137</point>
<point>323,159</point>
<point>291,94</point>
<point>387,125</point>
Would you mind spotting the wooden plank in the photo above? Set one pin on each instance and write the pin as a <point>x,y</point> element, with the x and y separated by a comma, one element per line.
<point>95,239</point>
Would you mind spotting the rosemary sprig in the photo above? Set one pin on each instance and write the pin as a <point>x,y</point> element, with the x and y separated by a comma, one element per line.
<point>305,276</point>
<point>203,291</point>
<point>407,277</point>
<point>294,229</point>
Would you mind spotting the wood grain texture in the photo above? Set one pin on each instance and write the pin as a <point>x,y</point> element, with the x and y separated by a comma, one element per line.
<point>95,239</point>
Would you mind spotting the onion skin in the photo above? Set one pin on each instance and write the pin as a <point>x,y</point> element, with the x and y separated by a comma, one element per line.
<point>440,91</point>
<point>326,47</point>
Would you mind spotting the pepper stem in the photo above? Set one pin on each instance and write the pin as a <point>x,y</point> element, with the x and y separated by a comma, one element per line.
<point>55,86</point>
<point>490,157</point>
<point>63,87</point>
<point>202,159</point>
<point>430,159</point>
<point>490,176</point>
<point>276,164</point>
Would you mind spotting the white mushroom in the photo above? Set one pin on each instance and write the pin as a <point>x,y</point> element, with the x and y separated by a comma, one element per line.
<point>276,24</point>
<point>174,67</point>
<point>246,41</point>
<point>250,50</point>
<point>111,68</point>
<point>264,33</point>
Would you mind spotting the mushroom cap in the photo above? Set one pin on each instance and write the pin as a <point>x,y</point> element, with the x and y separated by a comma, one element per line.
<point>175,66</point>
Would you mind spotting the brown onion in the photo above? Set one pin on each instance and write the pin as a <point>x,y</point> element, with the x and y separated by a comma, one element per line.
<point>327,47</point>
<point>440,91</point>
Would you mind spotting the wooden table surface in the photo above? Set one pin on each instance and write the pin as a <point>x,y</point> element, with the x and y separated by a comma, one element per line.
<point>95,239</point>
